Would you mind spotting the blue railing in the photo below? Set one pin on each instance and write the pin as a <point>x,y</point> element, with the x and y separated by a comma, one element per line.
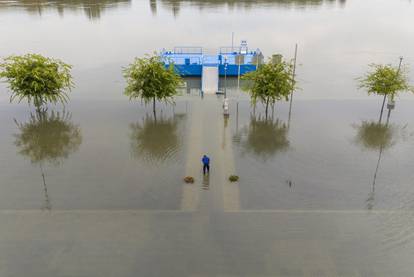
<point>188,50</point>
<point>229,50</point>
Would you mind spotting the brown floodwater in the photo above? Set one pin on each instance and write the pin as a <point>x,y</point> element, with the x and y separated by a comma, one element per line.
<point>96,188</point>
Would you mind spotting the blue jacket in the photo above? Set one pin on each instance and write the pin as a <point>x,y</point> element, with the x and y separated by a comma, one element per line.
<point>205,160</point>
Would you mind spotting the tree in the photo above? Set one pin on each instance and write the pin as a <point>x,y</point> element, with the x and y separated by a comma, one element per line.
<point>271,82</point>
<point>37,79</point>
<point>148,78</point>
<point>385,80</point>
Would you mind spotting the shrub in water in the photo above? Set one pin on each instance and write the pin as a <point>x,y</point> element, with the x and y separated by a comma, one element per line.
<point>189,180</point>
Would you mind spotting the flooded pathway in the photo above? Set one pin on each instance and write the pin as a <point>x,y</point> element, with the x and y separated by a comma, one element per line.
<point>208,228</point>
<point>210,134</point>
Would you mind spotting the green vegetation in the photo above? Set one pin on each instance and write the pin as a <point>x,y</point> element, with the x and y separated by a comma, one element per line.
<point>271,82</point>
<point>385,80</point>
<point>37,79</point>
<point>233,178</point>
<point>148,79</point>
<point>189,179</point>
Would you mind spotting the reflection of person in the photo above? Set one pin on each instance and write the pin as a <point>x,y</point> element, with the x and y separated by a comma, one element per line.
<point>206,182</point>
<point>206,164</point>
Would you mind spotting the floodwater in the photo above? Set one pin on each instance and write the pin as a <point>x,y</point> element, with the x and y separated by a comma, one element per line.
<point>95,188</point>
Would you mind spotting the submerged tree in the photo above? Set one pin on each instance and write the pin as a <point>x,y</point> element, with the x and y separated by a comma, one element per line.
<point>148,78</point>
<point>37,79</point>
<point>385,80</point>
<point>47,138</point>
<point>155,140</point>
<point>271,82</point>
<point>263,137</point>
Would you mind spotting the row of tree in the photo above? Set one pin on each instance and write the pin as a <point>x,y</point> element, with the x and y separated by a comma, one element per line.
<point>41,80</point>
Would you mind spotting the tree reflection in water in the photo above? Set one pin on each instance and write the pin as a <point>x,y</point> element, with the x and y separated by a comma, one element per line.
<point>374,135</point>
<point>92,8</point>
<point>156,140</point>
<point>176,5</point>
<point>48,137</point>
<point>263,138</point>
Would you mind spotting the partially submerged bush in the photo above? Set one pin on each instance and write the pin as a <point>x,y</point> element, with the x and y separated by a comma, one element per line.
<point>233,178</point>
<point>189,179</point>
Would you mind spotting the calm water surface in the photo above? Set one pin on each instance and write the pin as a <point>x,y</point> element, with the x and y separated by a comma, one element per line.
<point>95,188</point>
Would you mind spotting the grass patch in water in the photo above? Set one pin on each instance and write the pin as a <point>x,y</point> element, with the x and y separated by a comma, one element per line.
<point>189,179</point>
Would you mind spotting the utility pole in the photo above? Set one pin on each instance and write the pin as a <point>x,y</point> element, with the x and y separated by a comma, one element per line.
<point>399,66</point>
<point>225,77</point>
<point>391,102</point>
<point>232,41</point>
<point>385,96</point>
<point>293,79</point>
<point>238,78</point>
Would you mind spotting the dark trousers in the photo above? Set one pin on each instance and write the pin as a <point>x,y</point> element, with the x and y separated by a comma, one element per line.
<point>206,167</point>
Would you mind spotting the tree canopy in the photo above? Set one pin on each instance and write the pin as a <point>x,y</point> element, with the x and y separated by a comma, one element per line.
<point>148,78</point>
<point>37,79</point>
<point>385,80</point>
<point>271,82</point>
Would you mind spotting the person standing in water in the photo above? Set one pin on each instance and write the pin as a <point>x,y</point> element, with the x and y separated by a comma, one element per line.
<point>206,164</point>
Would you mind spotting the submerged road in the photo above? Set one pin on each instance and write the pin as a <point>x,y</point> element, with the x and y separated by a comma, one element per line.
<point>210,234</point>
<point>209,133</point>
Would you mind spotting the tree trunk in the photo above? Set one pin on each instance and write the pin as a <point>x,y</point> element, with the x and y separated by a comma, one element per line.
<point>382,108</point>
<point>267,106</point>
<point>153,108</point>
<point>38,111</point>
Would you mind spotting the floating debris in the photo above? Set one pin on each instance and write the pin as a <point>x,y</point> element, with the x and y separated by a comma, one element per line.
<point>189,180</point>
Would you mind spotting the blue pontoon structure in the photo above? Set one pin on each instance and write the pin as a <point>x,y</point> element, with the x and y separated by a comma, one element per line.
<point>229,61</point>
<point>187,61</point>
<point>239,60</point>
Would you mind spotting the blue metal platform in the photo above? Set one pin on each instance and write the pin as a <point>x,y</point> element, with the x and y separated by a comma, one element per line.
<point>231,61</point>
<point>187,61</point>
